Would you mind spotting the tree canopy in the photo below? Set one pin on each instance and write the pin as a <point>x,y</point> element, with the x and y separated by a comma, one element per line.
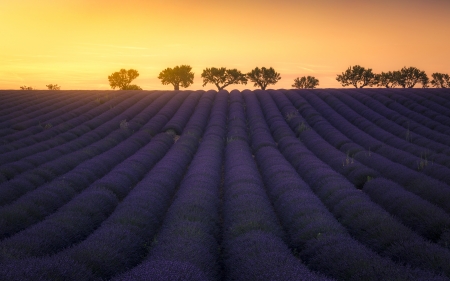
<point>263,77</point>
<point>357,76</point>
<point>309,82</point>
<point>26,88</point>
<point>132,87</point>
<point>53,87</point>
<point>410,76</point>
<point>389,79</point>
<point>222,77</point>
<point>177,76</point>
<point>122,79</point>
<point>440,80</point>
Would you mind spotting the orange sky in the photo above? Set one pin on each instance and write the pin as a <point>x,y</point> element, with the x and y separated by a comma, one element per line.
<point>78,43</point>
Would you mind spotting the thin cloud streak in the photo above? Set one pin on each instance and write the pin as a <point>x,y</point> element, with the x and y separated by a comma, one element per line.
<point>114,46</point>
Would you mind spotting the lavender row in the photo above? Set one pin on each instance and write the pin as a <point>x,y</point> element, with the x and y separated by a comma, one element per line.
<point>35,112</point>
<point>52,116</point>
<point>178,122</point>
<point>33,171</point>
<point>253,240</point>
<point>437,152</point>
<point>164,115</point>
<point>403,126</point>
<point>28,136</point>
<point>416,165</point>
<point>420,215</point>
<point>10,131</point>
<point>341,162</point>
<point>431,101</point>
<point>64,146</point>
<point>384,143</point>
<point>365,220</point>
<point>66,186</point>
<point>79,125</point>
<point>435,102</point>
<point>429,189</point>
<point>438,162</point>
<point>314,233</point>
<point>443,93</point>
<point>380,113</point>
<point>60,123</point>
<point>36,203</point>
<point>421,113</point>
<point>187,244</point>
<point>9,100</point>
<point>94,120</point>
<point>30,103</point>
<point>122,241</point>
<point>85,212</point>
<point>414,127</point>
<point>16,100</point>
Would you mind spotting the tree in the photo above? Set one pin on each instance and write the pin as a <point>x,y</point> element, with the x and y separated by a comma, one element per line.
<point>53,87</point>
<point>357,76</point>
<point>410,76</point>
<point>222,77</point>
<point>132,87</point>
<point>263,77</point>
<point>440,80</point>
<point>389,79</point>
<point>309,82</point>
<point>177,76</point>
<point>26,88</point>
<point>123,78</point>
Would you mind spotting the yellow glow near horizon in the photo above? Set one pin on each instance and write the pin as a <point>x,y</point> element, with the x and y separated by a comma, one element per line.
<point>78,43</point>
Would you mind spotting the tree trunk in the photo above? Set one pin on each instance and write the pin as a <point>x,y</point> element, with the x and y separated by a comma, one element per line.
<point>176,87</point>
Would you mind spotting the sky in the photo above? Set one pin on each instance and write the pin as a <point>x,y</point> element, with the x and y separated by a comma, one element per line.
<point>77,44</point>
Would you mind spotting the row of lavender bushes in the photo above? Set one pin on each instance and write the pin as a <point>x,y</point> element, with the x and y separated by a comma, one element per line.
<point>35,204</point>
<point>104,252</point>
<point>346,259</point>
<point>415,212</point>
<point>377,229</point>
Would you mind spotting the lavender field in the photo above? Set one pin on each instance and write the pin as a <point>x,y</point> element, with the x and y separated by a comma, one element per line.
<point>323,184</point>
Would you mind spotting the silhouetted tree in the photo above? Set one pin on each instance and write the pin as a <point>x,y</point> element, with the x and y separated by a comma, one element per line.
<point>357,76</point>
<point>26,88</point>
<point>177,76</point>
<point>263,77</point>
<point>122,79</point>
<point>389,79</point>
<point>222,77</point>
<point>53,87</point>
<point>304,82</point>
<point>410,76</point>
<point>132,87</point>
<point>440,80</point>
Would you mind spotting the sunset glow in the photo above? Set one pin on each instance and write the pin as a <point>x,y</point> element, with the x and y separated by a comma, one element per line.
<point>78,43</point>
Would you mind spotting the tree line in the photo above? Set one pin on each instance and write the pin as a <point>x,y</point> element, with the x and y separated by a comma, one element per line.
<point>357,76</point>
<point>407,77</point>
<point>182,76</point>
<point>49,87</point>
